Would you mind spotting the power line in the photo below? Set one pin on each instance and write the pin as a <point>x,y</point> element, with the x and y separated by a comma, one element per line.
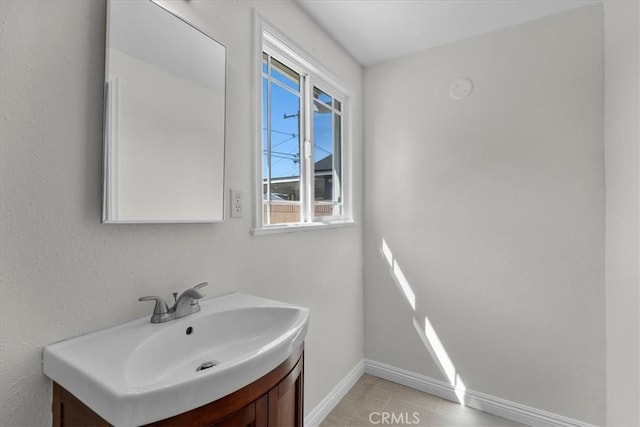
<point>295,157</point>
<point>283,141</point>
<point>322,148</point>
<point>282,132</point>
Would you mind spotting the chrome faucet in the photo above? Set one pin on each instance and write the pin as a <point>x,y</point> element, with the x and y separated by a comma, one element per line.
<point>184,305</point>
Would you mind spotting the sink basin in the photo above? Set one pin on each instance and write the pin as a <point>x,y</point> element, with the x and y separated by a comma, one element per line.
<point>140,372</point>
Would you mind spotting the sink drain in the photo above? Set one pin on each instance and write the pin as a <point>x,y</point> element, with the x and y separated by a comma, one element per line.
<point>206,365</point>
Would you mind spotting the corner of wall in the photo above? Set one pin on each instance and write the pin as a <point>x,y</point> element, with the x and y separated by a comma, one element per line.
<point>622,248</point>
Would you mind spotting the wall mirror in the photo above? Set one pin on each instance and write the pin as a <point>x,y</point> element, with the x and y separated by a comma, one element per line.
<point>164,118</point>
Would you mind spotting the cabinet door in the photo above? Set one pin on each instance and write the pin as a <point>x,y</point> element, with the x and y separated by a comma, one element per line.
<point>285,400</point>
<point>68,411</point>
<point>252,415</point>
<point>245,417</point>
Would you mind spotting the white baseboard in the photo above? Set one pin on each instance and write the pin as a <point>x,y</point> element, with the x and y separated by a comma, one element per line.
<point>473,399</point>
<point>322,409</point>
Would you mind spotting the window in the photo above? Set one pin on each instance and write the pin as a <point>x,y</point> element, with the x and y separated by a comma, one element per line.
<point>303,167</point>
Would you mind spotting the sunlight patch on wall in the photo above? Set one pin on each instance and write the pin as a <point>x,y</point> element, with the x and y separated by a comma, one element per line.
<point>404,285</point>
<point>426,332</point>
<point>433,344</point>
<point>386,253</point>
<point>401,280</point>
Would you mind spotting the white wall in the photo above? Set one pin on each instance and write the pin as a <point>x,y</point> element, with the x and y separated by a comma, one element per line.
<point>493,208</point>
<point>65,274</point>
<point>622,136</point>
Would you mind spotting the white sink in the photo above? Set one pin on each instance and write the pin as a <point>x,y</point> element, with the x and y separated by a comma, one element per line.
<point>140,372</point>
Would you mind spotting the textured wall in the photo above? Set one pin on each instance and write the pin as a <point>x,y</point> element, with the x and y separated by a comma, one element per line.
<point>493,209</point>
<point>65,274</point>
<point>622,141</point>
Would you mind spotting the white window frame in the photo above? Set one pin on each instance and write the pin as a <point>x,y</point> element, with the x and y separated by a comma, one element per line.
<point>269,39</point>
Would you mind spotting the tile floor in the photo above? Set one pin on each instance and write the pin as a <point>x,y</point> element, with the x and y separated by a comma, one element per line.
<point>366,402</point>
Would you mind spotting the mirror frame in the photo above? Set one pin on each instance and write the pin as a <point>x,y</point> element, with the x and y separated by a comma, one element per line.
<point>109,175</point>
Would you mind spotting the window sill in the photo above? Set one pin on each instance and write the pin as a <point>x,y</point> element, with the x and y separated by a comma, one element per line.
<point>289,228</point>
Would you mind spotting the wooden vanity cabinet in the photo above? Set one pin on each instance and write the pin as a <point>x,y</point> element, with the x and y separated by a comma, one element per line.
<point>275,400</point>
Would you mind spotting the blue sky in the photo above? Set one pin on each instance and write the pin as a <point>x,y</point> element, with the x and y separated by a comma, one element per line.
<point>285,140</point>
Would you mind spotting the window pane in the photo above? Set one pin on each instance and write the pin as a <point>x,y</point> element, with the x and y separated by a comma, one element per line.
<point>281,155</point>
<point>285,134</point>
<point>320,95</point>
<point>266,164</point>
<point>337,163</point>
<point>284,74</point>
<point>338,105</point>
<point>326,155</point>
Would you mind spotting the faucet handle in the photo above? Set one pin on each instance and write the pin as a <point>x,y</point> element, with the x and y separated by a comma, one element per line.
<point>196,287</point>
<point>201,285</point>
<point>160,310</point>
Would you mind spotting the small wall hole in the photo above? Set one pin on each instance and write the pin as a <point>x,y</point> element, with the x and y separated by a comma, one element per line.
<point>189,330</point>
